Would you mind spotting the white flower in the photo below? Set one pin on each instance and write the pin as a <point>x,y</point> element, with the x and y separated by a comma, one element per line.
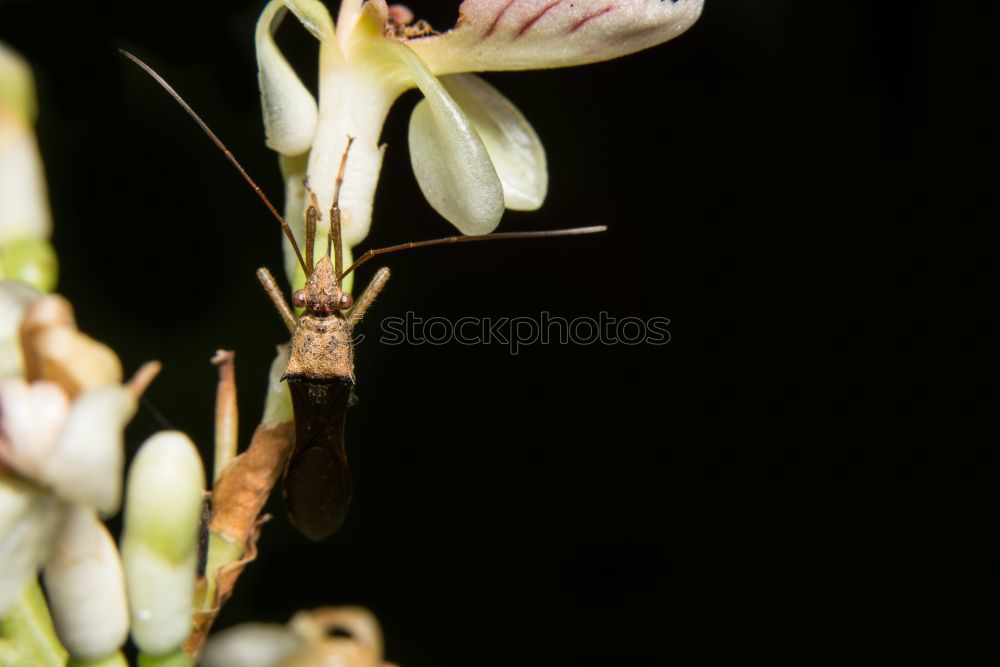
<point>472,151</point>
<point>61,458</point>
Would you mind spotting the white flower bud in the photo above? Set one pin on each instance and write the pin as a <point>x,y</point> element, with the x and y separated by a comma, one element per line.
<point>86,587</point>
<point>25,210</point>
<point>160,541</point>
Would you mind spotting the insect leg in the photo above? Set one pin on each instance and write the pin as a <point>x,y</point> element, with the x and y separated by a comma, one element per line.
<point>271,287</point>
<point>367,297</point>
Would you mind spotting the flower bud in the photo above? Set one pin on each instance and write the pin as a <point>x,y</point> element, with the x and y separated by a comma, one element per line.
<point>25,221</point>
<point>163,511</point>
<point>86,587</point>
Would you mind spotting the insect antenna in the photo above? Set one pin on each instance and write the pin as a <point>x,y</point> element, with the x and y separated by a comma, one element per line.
<point>222,147</point>
<point>471,239</point>
<point>333,238</point>
<point>312,217</point>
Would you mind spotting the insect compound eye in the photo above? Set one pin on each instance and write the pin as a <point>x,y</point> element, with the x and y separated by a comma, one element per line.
<point>299,298</point>
<point>346,301</point>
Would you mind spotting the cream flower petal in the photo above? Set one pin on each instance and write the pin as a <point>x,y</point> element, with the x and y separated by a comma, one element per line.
<point>28,519</point>
<point>31,419</point>
<point>452,166</point>
<point>86,587</point>
<point>289,108</point>
<point>514,148</point>
<point>314,17</point>
<point>536,34</point>
<point>86,464</point>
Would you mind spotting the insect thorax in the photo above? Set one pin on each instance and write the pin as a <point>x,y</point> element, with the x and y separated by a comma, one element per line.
<point>322,349</point>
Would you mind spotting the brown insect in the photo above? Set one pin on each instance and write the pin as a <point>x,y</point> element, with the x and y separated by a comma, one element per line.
<point>320,372</point>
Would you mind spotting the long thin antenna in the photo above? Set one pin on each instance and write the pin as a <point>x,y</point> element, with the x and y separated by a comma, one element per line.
<point>334,236</point>
<point>222,147</point>
<point>471,239</point>
<point>312,217</point>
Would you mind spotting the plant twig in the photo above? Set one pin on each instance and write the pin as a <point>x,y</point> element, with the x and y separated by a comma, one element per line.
<point>238,496</point>
<point>226,412</point>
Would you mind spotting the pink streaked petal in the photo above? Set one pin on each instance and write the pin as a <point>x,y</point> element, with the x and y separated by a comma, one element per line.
<point>538,34</point>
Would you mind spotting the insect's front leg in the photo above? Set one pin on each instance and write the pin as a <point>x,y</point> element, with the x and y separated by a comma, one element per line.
<point>271,287</point>
<point>367,297</point>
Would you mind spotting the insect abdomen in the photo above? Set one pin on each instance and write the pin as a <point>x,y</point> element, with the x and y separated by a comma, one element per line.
<point>317,483</point>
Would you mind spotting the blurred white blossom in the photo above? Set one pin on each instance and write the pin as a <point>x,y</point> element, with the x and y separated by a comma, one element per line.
<point>61,460</point>
<point>341,636</point>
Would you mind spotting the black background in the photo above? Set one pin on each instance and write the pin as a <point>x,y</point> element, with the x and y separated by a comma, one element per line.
<point>801,188</point>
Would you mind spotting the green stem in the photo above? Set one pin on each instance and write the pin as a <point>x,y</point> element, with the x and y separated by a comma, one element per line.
<point>220,552</point>
<point>28,636</point>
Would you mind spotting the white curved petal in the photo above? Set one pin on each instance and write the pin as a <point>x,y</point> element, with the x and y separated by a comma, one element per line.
<point>87,461</point>
<point>537,34</point>
<point>28,520</point>
<point>289,108</point>
<point>31,419</point>
<point>314,17</point>
<point>453,168</point>
<point>86,587</point>
<point>515,150</point>
<point>451,163</point>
